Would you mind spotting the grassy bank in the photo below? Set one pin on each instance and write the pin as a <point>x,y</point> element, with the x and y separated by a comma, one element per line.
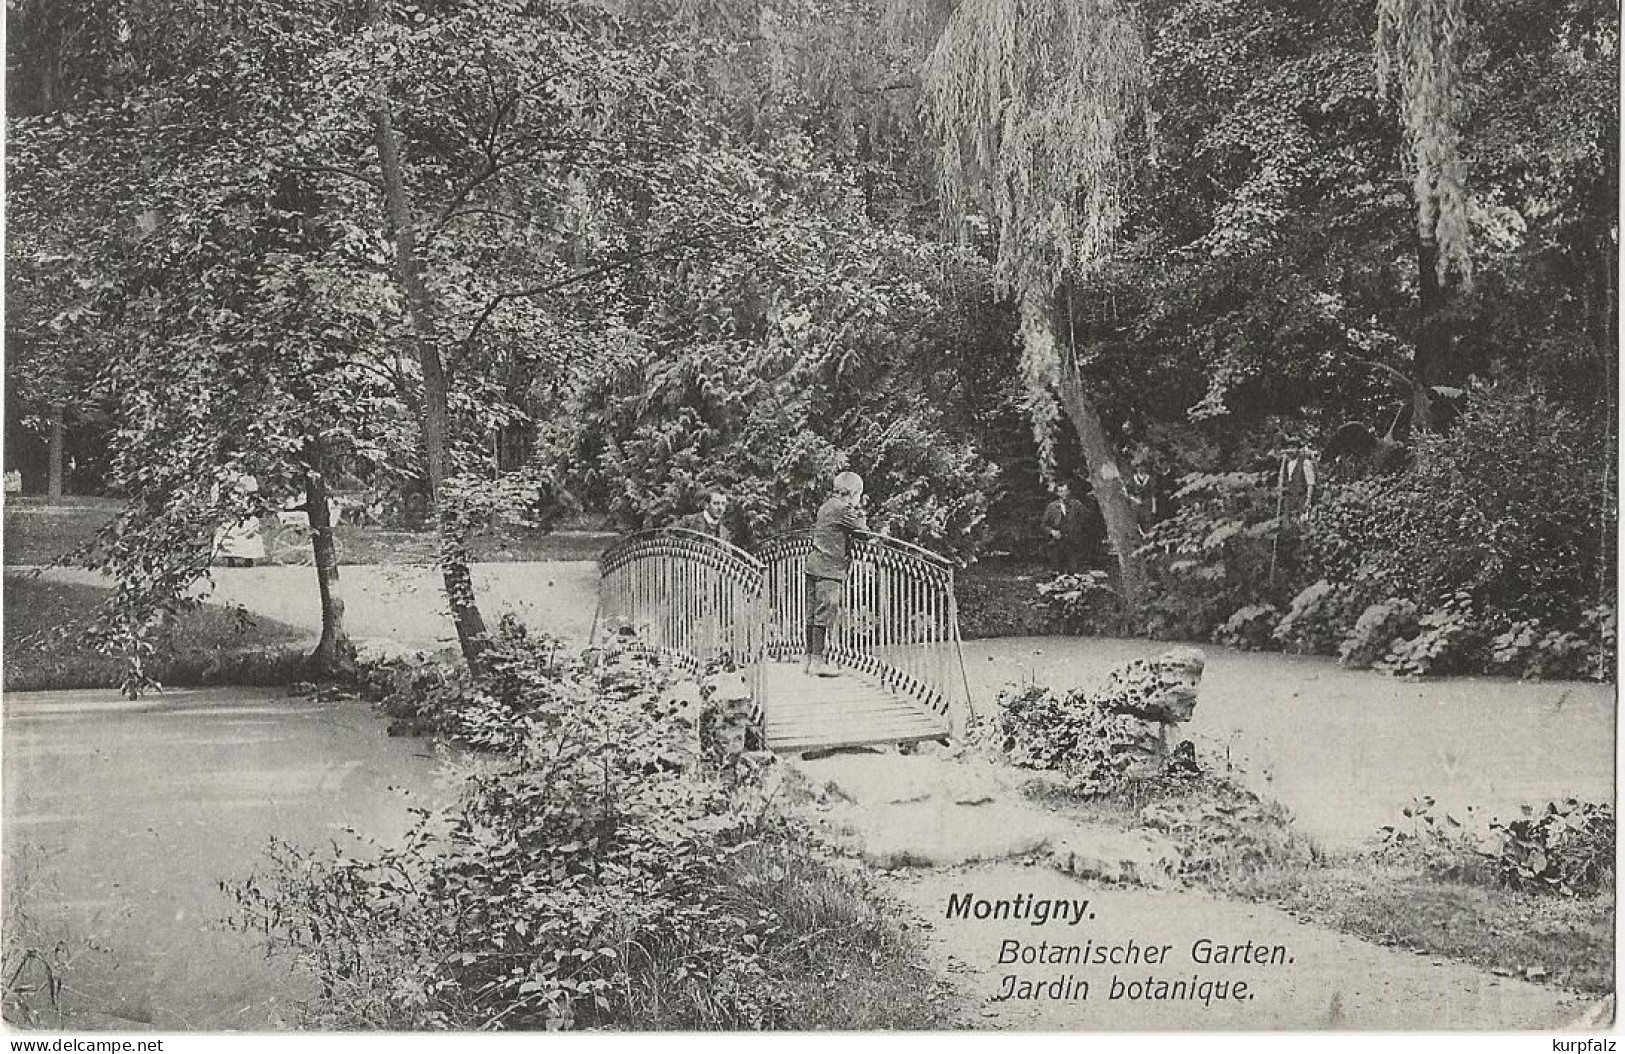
<point>1239,846</point>
<point>999,598</point>
<point>44,646</point>
<point>38,533</point>
<point>1566,941</point>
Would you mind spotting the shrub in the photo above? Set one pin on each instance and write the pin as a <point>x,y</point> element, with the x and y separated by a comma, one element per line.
<point>1083,603</point>
<point>1375,631</point>
<point>592,874</point>
<point>1099,751</point>
<point>1224,831</point>
<point>1447,641</point>
<point>1436,844</point>
<point>1249,628</point>
<point>1509,508</point>
<point>1216,554</point>
<point>523,678</point>
<point>1567,848</point>
<point>1320,618</point>
<point>1529,649</point>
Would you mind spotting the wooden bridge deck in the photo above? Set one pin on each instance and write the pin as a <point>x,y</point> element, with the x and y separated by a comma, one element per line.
<point>817,713</point>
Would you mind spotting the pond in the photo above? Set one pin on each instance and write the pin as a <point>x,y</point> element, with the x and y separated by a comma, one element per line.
<point>1346,750</point>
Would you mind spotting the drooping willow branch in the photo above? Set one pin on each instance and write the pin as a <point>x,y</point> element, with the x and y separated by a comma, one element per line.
<point>1418,57</point>
<point>1033,102</point>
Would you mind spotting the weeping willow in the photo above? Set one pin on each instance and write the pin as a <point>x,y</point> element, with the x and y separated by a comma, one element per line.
<point>1032,101</point>
<point>1418,53</point>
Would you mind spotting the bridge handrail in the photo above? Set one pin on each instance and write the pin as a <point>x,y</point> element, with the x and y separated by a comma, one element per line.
<point>770,544</point>
<point>691,597</point>
<point>630,546</point>
<point>685,595</point>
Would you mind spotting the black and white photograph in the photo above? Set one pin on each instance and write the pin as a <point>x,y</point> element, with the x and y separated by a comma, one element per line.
<point>861,516</point>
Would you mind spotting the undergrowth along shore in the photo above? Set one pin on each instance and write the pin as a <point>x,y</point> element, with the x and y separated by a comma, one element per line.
<point>612,862</point>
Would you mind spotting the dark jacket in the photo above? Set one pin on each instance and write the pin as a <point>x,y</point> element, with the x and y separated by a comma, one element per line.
<point>832,534</point>
<point>696,521</point>
<point>1068,517</point>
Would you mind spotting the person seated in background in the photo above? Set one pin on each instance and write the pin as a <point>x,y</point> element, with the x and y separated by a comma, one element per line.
<point>711,519</point>
<point>1065,525</point>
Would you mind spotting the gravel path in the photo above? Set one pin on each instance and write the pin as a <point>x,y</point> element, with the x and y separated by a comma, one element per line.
<point>1030,947</point>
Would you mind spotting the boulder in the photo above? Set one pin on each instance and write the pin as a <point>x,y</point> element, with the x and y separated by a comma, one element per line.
<point>1161,690</point>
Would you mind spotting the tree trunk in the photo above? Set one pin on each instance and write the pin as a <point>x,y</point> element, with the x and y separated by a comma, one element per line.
<point>1432,336</point>
<point>422,310</point>
<point>334,655</point>
<point>1602,322</point>
<point>1105,478</point>
<point>53,480</point>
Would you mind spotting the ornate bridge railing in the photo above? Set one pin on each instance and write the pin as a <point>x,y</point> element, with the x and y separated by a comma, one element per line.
<point>901,624</point>
<point>691,598</point>
<point>686,595</point>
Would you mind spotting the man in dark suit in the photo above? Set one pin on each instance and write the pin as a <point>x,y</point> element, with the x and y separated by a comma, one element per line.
<point>711,519</point>
<point>1065,525</point>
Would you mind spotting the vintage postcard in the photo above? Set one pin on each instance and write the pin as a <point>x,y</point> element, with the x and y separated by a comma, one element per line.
<point>650,516</point>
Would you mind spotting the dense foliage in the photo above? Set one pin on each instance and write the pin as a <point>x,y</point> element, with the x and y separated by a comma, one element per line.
<point>593,873</point>
<point>505,259</point>
<point>1564,848</point>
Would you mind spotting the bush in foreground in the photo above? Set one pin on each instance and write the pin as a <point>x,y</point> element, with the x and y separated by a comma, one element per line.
<point>593,874</point>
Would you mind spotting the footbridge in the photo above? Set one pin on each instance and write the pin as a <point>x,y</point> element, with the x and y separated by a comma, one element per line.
<point>696,600</point>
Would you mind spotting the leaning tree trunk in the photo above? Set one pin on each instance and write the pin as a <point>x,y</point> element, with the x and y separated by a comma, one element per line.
<point>421,308</point>
<point>334,655</point>
<point>1105,478</point>
<point>1122,529</point>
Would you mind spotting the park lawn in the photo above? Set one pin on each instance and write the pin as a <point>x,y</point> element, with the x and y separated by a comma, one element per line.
<point>43,650</point>
<point>39,533</point>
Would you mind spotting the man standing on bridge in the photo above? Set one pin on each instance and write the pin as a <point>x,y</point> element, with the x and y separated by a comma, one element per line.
<point>839,519</point>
